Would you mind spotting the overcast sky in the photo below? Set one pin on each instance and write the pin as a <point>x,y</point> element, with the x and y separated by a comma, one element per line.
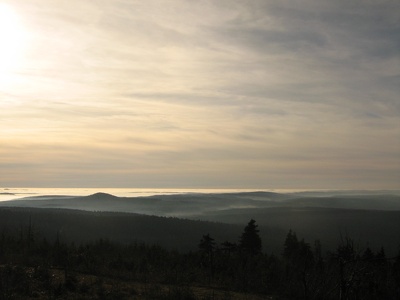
<point>179,93</point>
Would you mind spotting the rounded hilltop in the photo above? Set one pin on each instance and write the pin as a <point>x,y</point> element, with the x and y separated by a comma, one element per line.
<point>101,196</point>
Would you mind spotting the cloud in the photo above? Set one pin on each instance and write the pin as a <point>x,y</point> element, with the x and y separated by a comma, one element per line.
<point>227,93</point>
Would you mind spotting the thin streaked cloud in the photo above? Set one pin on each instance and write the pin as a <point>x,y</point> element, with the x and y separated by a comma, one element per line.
<point>257,94</point>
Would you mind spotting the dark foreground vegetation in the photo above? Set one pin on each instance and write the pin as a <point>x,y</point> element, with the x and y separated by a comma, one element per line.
<point>33,267</point>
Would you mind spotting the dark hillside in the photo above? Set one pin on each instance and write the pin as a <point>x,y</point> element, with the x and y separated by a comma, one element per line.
<point>372,219</point>
<point>373,202</point>
<point>82,226</point>
<point>32,266</point>
<point>367,227</point>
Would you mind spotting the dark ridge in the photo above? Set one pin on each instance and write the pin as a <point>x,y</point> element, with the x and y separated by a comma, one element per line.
<point>83,226</point>
<point>101,196</point>
<point>255,193</point>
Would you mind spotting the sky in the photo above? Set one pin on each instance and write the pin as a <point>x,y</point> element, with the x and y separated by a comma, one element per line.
<point>200,94</point>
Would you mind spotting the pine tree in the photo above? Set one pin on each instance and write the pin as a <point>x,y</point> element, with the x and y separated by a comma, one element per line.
<point>207,244</point>
<point>207,247</point>
<point>291,245</point>
<point>250,241</point>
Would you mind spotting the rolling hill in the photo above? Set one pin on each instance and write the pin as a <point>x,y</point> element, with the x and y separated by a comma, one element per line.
<point>371,220</point>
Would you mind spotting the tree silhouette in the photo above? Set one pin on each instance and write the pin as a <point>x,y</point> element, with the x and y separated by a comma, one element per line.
<point>207,247</point>
<point>228,247</point>
<point>207,244</point>
<point>291,245</point>
<point>250,241</point>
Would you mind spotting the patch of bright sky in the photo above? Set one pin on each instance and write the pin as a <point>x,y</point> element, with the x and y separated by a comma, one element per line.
<point>261,94</point>
<point>14,39</point>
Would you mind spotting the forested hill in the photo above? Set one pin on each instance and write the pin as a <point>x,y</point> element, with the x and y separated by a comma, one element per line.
<point>82,226</point>
<point>370,219</point>
<point>81,256</point>
<point>368,228</point>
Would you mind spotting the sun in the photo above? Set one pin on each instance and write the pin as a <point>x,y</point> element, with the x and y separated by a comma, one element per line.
<point>13,39</point>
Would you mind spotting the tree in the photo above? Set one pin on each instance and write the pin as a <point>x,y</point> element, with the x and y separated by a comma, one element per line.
<point>299,259</point>
<point>250,241</point>
<point>291,245</point>
<point>207,244</point>
<point>207,247</point>
<point>228,247</point>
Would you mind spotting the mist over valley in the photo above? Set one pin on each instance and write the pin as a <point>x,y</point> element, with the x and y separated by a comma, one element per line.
<point>371,219</point>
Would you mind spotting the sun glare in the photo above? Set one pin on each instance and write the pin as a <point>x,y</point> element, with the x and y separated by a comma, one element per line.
<point>13,38</point>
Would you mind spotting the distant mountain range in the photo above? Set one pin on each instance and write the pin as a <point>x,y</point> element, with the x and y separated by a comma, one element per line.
<point>186,205</point>
<point>370,219</point>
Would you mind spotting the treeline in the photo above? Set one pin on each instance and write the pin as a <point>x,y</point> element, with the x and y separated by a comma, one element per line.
<point>85,227</point>
<point>33,267</point>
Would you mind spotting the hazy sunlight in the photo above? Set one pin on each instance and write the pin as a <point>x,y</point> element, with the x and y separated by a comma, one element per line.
<point>13,38</point>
